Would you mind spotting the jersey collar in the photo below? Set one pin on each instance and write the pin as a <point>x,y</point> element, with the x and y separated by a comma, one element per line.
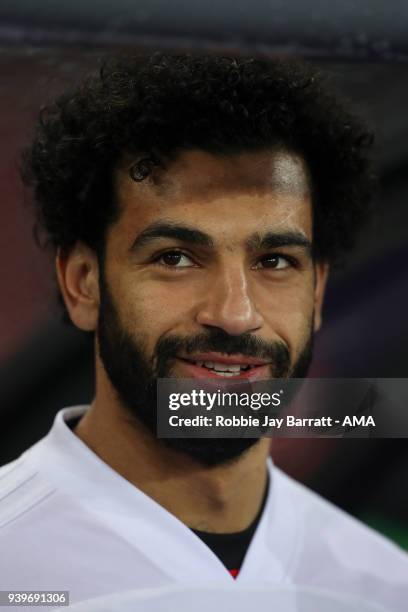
<point>78,472</point>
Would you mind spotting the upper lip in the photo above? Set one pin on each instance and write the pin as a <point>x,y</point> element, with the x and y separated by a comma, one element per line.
<point>227,359</point>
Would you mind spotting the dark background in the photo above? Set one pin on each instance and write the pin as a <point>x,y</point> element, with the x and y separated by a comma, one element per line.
<point>44,366</point>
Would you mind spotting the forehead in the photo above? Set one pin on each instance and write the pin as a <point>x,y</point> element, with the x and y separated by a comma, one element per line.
<point>226,192</point>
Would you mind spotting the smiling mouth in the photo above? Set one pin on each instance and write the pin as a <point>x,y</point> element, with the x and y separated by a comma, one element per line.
<point>227,368</point>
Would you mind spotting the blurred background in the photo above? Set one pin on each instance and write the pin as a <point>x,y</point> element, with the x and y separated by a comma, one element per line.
<point>362,47</point>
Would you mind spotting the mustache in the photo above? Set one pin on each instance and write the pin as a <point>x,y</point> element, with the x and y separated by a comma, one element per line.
<point>217,340</point>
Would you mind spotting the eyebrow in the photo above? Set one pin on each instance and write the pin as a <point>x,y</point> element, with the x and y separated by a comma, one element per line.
<point>171,230</point>
<point>273,240</point>
<point>184,233</point>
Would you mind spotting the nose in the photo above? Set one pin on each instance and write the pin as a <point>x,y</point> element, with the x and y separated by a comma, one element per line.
<point>229,304</point>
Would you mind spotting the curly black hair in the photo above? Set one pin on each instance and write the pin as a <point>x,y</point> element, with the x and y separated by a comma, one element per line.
<point>156,106</point>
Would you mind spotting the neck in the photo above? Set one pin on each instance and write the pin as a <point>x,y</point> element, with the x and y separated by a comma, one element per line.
<point>222,499</point>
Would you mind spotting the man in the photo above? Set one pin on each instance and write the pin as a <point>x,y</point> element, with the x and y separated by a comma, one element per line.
<point>195,205</point>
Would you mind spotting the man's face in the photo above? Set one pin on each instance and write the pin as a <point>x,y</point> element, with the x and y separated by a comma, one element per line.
<point>208,272</point>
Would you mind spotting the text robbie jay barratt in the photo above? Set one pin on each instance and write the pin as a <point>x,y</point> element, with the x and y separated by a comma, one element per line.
<point>250,421</point>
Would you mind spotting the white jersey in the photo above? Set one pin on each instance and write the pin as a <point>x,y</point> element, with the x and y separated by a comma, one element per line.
<point>68,522</point>
<point>240,598</point>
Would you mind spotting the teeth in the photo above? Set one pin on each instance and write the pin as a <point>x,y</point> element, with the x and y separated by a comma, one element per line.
<point>225,374</point>
<point>227,369</point>
<point>223,367</point>
<point>236,367</point>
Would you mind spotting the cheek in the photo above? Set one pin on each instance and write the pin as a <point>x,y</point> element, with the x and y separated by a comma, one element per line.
<point>288,313</point>
<point>151,309</point>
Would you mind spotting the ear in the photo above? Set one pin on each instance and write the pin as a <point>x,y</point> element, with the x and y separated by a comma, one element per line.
<point>321,276</point>
<point>78,279</point>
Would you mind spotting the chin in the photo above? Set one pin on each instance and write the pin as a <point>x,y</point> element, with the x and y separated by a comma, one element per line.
<point>211,452</point>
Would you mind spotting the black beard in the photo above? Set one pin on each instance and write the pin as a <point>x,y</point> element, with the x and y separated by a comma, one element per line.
<point>134,377</point>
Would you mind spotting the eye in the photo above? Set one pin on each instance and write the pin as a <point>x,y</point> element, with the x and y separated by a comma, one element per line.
<point>174,259</point>
<point>273,261</point>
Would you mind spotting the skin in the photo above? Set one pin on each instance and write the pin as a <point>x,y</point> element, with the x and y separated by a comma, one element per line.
<point>230,285</point>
